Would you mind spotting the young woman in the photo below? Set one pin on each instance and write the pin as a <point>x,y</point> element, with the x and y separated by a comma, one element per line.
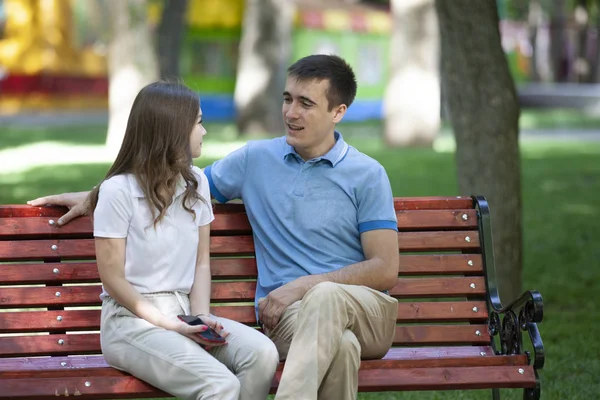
<point>152,216</point>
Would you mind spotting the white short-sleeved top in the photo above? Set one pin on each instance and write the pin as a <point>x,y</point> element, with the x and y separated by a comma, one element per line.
<point>160,259</point>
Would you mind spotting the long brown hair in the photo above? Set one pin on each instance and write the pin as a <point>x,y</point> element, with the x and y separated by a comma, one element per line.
<point>156,146</point>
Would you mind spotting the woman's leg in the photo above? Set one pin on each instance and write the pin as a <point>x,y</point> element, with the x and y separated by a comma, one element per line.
<point>251,356</point>
<point>163,358</point>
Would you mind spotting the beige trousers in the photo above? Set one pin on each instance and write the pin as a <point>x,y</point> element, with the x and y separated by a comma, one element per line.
<point>325,335</point>
<point>242,369</point>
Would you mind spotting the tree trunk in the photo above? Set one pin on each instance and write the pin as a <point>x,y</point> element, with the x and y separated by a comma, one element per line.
<point>131,63</point>
<point>484,113</point>
<point>534,19</point>
<point>582,64</point>
<point>596,61</point>
<point>558,42</point>
<point>412,98</point>
<point>264,54</point>
<point>170,38</point>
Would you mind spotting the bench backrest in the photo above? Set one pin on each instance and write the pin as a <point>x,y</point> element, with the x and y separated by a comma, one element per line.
<point>49,284</point>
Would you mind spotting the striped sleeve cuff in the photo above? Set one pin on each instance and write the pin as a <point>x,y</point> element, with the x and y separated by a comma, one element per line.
<point>373,225</point>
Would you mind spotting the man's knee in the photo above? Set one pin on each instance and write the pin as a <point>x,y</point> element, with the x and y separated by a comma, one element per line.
<point>323,292</point>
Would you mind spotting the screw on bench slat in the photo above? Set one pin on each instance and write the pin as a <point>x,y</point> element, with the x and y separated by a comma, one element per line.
<point>57,294</point>
<point>59,318</point>
<point>482,353</point>
<point>465,217</point>
<point>472,285</point>
<point>475,309</point>
<point>63,364</point>
<point>51,222</point>
<point>470,262</point>
<point>88,384</point>
<point>478,333</point>
<point>468,239</point>
<point>60,342</point>
<point>521,371</point>
<point>54,247</point>
<point>55,271</point>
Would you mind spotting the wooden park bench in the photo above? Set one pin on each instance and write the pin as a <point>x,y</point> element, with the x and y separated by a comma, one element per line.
<point>452,333</point>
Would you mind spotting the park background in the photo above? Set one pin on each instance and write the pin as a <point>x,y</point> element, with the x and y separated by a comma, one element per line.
<point>68,68</point>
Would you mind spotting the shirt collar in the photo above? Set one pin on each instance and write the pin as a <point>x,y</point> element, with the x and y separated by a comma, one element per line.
<point>334,156</point>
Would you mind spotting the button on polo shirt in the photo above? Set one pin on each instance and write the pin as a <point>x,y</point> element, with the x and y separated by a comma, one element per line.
<point>306,216</point>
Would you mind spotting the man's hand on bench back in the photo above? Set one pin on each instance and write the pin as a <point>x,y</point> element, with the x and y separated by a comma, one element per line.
<point>76,202</point>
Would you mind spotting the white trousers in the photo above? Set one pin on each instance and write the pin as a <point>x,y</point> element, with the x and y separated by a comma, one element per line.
<point>243,369</point>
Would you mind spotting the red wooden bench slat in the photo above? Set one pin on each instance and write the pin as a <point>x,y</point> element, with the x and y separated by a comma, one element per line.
<point>89,343</point>
<point>23,366</point>
<point>447,378</point>
<point>436,219</point>
<point>441,335</point>
<point>88,295</point>
<point>230,224</point>
<point>41,321</point>
<point>22,274</point>
<point>438,287</point>
<point>394,359</point>
<point>86,272</point>
<point>47,345</point>
<point>226,245</point>
<point>400,203</point>
<point>369,379</point>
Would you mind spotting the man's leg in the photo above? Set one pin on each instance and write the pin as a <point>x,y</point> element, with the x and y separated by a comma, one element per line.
<point>340,380</point>
<point>325,313</point>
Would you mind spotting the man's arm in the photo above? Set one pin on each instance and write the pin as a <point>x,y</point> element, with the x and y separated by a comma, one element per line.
<point>76,202</point>
<point>379,271</point>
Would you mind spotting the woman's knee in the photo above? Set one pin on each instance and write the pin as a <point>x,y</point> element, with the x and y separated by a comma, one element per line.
<point>265,356</point>
<point>226,386</point>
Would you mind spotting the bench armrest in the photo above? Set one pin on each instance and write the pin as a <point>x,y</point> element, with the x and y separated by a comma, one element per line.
<point>523,314</point>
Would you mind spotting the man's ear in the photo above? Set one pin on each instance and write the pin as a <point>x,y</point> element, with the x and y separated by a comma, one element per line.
<point>339,113</point>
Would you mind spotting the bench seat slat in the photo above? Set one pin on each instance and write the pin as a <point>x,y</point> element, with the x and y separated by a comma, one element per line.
<point>226,224</point>
<point>89,295</point>
<point>227,245</point>
<point>417,357</point>
<point>369,379</point>
<point>230,268</point>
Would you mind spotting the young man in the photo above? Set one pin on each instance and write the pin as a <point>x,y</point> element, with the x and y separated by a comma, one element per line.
<point>325,232</point>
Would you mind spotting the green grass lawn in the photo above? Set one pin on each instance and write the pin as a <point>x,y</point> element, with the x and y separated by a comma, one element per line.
<point>561,184</point>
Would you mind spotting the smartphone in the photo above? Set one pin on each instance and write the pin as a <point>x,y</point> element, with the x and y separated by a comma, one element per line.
<point>210,335</point>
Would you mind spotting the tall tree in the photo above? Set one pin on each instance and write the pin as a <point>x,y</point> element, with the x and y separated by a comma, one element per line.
<point>412,98</point>
<point>170,37</point>
<point>558,41</point>
<point>132,63</point>
<point>484,113</point>
<point>263,56</point>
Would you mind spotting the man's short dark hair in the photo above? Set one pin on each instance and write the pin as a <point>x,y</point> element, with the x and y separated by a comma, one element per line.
<point>342,81</point>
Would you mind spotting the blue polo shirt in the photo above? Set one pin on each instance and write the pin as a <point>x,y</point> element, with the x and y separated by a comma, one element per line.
<point>306,216</point>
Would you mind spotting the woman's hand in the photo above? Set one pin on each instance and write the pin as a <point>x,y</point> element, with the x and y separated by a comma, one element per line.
<point>193,332</point>
<point>216,325</point>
